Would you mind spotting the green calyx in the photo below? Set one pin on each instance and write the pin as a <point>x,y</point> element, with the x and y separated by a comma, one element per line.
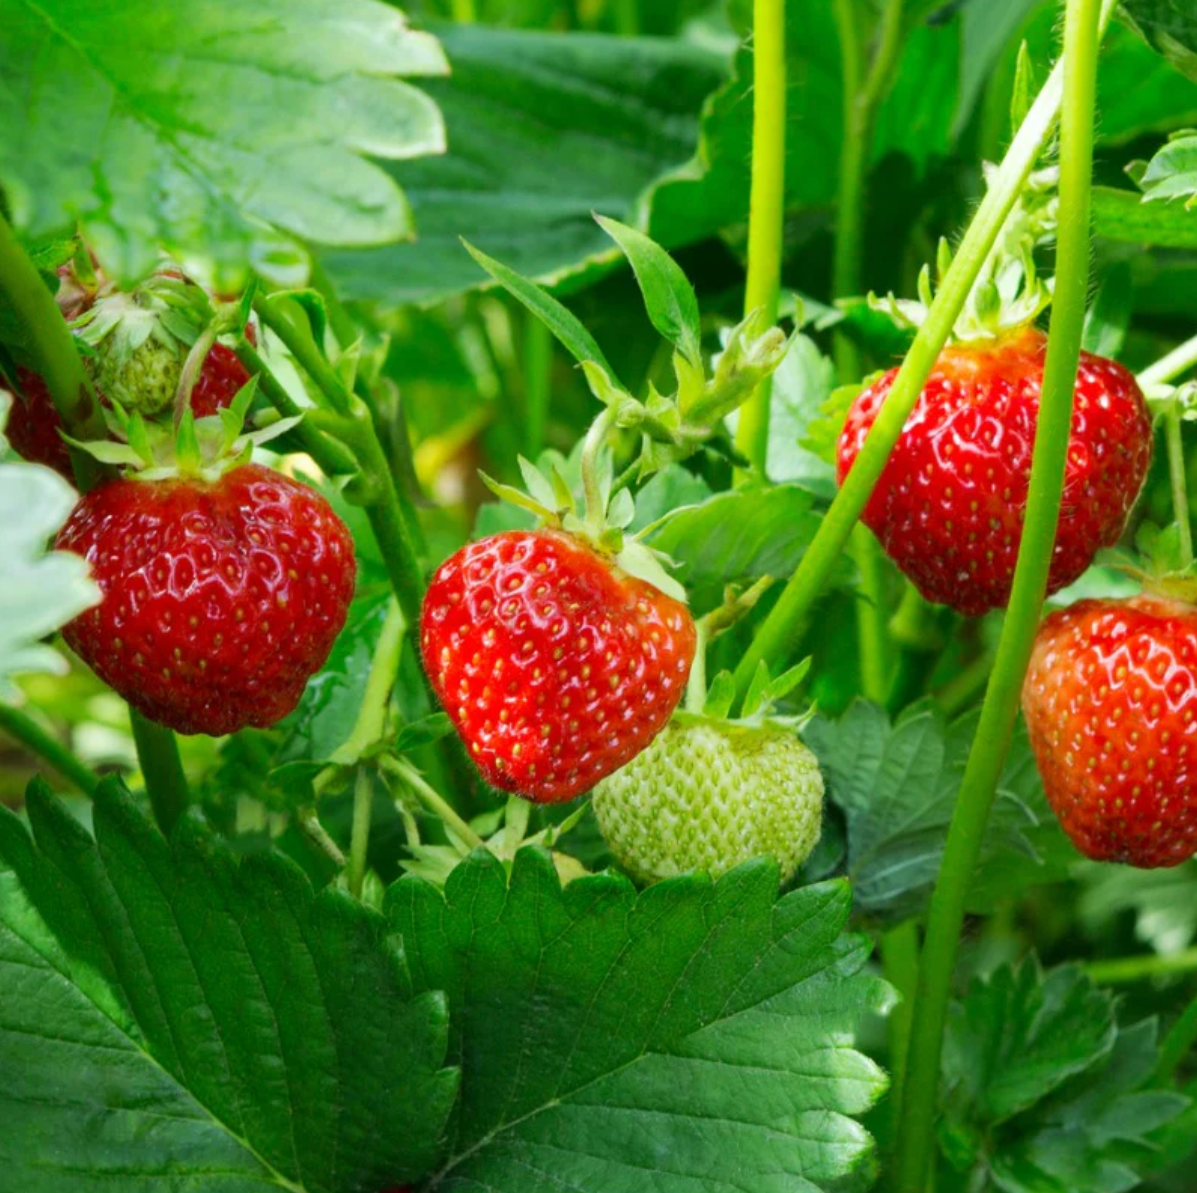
<point>1008,293</point>
<point>203,448</point>
<point>1159,562</point>
<point>603,525</point>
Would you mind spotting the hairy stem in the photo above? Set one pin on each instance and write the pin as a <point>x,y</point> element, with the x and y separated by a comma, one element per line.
<point>996,725</point>
<point>783,627</point>
<point>1180,483</point>
<point>766,207</point>
<point>162,770</point>
<point>24,729</point>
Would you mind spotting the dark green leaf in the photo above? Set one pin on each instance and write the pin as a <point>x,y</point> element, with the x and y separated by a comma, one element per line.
<point>173,1016</point>
<point>1170,26</point>
<point>545,128</point>
<point>1109,316</point>
<point>680,1033</point>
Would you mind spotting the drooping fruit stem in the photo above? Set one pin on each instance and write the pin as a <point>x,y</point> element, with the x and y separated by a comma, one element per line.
<point>782,628</point>
<point>24,729</point>
<point>161,769</point>
<point>1182,358</point>
<point>401,769</point>
<point>996,725</point>
<point>766,204</point>
<point>359,837</point>
<point>1180,484</point>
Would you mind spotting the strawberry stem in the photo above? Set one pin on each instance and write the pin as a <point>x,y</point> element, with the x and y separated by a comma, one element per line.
<point>189,375</point>
<point>1180,485</point>
<point>1182,358</point>
<point>783,627</point>
<point>1118,970</point>
<point>440,807</point>
<point>766,204</point>
<point>55,354</point>
<point>161,770</point>
<point>1083,22</point>
<point>23,729</point>
<point>359,837</point>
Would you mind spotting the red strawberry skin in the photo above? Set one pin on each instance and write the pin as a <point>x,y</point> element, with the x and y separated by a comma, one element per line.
<point>220,599</point>
<point>1110,701</point>
<point>219,380</point>
<point>949,506</point>
<point>555,667</point>
<point>33,425</point>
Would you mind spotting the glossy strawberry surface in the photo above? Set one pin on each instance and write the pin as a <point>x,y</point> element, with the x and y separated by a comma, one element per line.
<point>220,599</point>
<point>1111,706</point>
<point>950,503</point>
<point>555,667</point>
<point>219,380</point>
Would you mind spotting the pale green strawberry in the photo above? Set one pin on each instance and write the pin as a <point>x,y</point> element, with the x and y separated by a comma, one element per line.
<point>708,794</point>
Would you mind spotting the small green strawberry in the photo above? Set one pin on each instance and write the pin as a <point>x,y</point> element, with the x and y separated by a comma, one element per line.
<point>709,793</point>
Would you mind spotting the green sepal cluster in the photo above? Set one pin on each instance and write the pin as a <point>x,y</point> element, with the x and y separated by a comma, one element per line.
<point>550,499</point>
<point>206,448</point>
<point>1157,562</point>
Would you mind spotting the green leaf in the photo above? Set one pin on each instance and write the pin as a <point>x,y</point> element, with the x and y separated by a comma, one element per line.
<point>174,1015</point>
<point>680,1035</point>
<point>802,385</point>
<point>1048,1087</point>
<point>742,535</point>
<point>1172,173</point>
<point>561,322</point>
<point>897,785</point>
<point>1018,1035</point>
<point>1169,26</point>
<point>1163,902</point>
<point>545,128</point>
<point>39,590</point>
<point>218,131</point>
<point>1124,215</point>
<point>669,298</point>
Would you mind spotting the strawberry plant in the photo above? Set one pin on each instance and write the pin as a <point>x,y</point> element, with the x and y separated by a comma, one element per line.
<point>598,596</point>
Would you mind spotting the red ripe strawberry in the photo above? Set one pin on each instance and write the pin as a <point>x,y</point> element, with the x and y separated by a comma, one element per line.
<point>221,598</point>
<point>555,666</point>
<point>949,506</point>
<point>33,425</point>
<point>1111,705</point>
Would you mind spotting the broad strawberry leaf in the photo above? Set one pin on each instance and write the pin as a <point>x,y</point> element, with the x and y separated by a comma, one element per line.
<point>1044,1091</point>
<point>1164,902</point>
<point>694,1037</point>
<point>897,784</point>
<point>544,129</point>
<point>39,591</point>
<point>174,1016</point>
<point>215,130</point>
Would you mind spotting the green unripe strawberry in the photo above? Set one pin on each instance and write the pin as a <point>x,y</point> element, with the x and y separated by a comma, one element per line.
<point>708,794</point>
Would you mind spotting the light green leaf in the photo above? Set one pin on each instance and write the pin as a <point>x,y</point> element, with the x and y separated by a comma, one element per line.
<point>683,1032</point>
<point>39,590</point>
<point>669,298</point>
<point>1124,215</point>
<point>544,129</point>
<point>174,1015</point>
<point>1172,173</point>
<point>218,131</point>
<point>802,385</point>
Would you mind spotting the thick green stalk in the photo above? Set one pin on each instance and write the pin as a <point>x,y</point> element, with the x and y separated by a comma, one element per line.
<point>782,628</point>
<point>24,729</point>
<point>1116,971</point>
<point>1177,1044</point>
<point>436,803</point>
<point>161,769</point>
<point>995,728</point>
<point>900,961</point>
<point>55,356</point>
<point>766,206</point>
<point>1180,483</point>
<point>359,837</point>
